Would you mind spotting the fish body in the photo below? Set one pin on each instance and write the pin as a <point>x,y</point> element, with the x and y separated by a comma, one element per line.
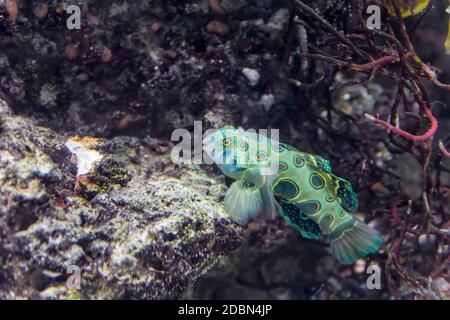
<point>275,178</point>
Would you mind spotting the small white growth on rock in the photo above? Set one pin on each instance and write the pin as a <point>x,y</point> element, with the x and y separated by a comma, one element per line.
<point>359,266</point>
<point>87,156</point>
<point>48,95</point>
<point>267,101</point>
<point>252,76</point>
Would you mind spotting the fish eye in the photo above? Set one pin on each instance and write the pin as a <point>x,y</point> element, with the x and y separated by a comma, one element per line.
<point>226,142</point>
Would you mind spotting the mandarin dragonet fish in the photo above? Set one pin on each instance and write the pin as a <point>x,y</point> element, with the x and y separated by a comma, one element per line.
<point>275,178</point>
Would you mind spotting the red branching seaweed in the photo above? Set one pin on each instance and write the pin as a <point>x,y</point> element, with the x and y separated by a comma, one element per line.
<point>387,53</point>
<point>444,151</point>
<point>399,132</point>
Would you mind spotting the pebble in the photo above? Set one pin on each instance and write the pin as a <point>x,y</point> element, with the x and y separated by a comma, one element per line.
<point>106,54</point>
<point>71,51</point>
<point>155,26</point>
<point>359,266</point>
<point>172,54</point>
<point>41,11</point>
<point>252,75</point>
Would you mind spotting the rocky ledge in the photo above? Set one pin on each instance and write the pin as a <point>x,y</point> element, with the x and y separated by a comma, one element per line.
<point>136,226</point>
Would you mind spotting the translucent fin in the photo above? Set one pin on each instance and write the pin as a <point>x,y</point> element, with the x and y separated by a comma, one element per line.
<point>353,241</point>
<point>243,202</point>
<point>296,218</point>
<point>271,207</point>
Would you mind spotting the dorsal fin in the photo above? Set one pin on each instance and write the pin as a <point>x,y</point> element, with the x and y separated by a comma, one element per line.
<point>317,162</point>
<point>346,197</point>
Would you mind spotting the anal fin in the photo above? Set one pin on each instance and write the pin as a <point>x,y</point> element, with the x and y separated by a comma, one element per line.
<point>298,219</point>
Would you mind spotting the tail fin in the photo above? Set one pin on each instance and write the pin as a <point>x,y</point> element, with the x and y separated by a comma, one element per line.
<point>243,202</point>
<point>353,241</point>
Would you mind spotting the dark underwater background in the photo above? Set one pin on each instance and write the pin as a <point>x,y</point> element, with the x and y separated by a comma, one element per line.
<point>138,226</point>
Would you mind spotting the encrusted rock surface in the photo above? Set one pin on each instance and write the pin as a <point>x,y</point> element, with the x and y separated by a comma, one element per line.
<point>133,59</point>
<point>149,230</point>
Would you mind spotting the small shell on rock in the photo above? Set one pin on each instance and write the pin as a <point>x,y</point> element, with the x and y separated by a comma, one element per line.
<point>86,155</point>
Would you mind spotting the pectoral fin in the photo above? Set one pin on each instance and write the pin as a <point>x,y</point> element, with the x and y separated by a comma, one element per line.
<point>271,207</point>
<point>243,202</point>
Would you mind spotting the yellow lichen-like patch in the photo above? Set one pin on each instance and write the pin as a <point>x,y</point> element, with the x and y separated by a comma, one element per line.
<point>88,142</point>
<point>447,42</point>
<point>407,7</point>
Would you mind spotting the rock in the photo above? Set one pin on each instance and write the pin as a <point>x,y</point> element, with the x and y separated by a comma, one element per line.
<point>150,236</point>
<point>216,7</point>
<point>128,59</point>
<point>106,54</point>
<point>427,242</point>
<point>278,23</point>
<point>12,7</point>
<point>71,51</point>
<point>232,5</point>
<point>441,285</point>
<point>217,27</point>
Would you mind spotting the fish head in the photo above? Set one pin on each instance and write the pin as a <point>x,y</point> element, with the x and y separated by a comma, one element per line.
<point>227,147</point>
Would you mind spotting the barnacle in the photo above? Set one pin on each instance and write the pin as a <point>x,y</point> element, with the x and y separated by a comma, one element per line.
<point>407,7</point>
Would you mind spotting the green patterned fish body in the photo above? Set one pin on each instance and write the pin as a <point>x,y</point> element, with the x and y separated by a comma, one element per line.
<point>275,178</point>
